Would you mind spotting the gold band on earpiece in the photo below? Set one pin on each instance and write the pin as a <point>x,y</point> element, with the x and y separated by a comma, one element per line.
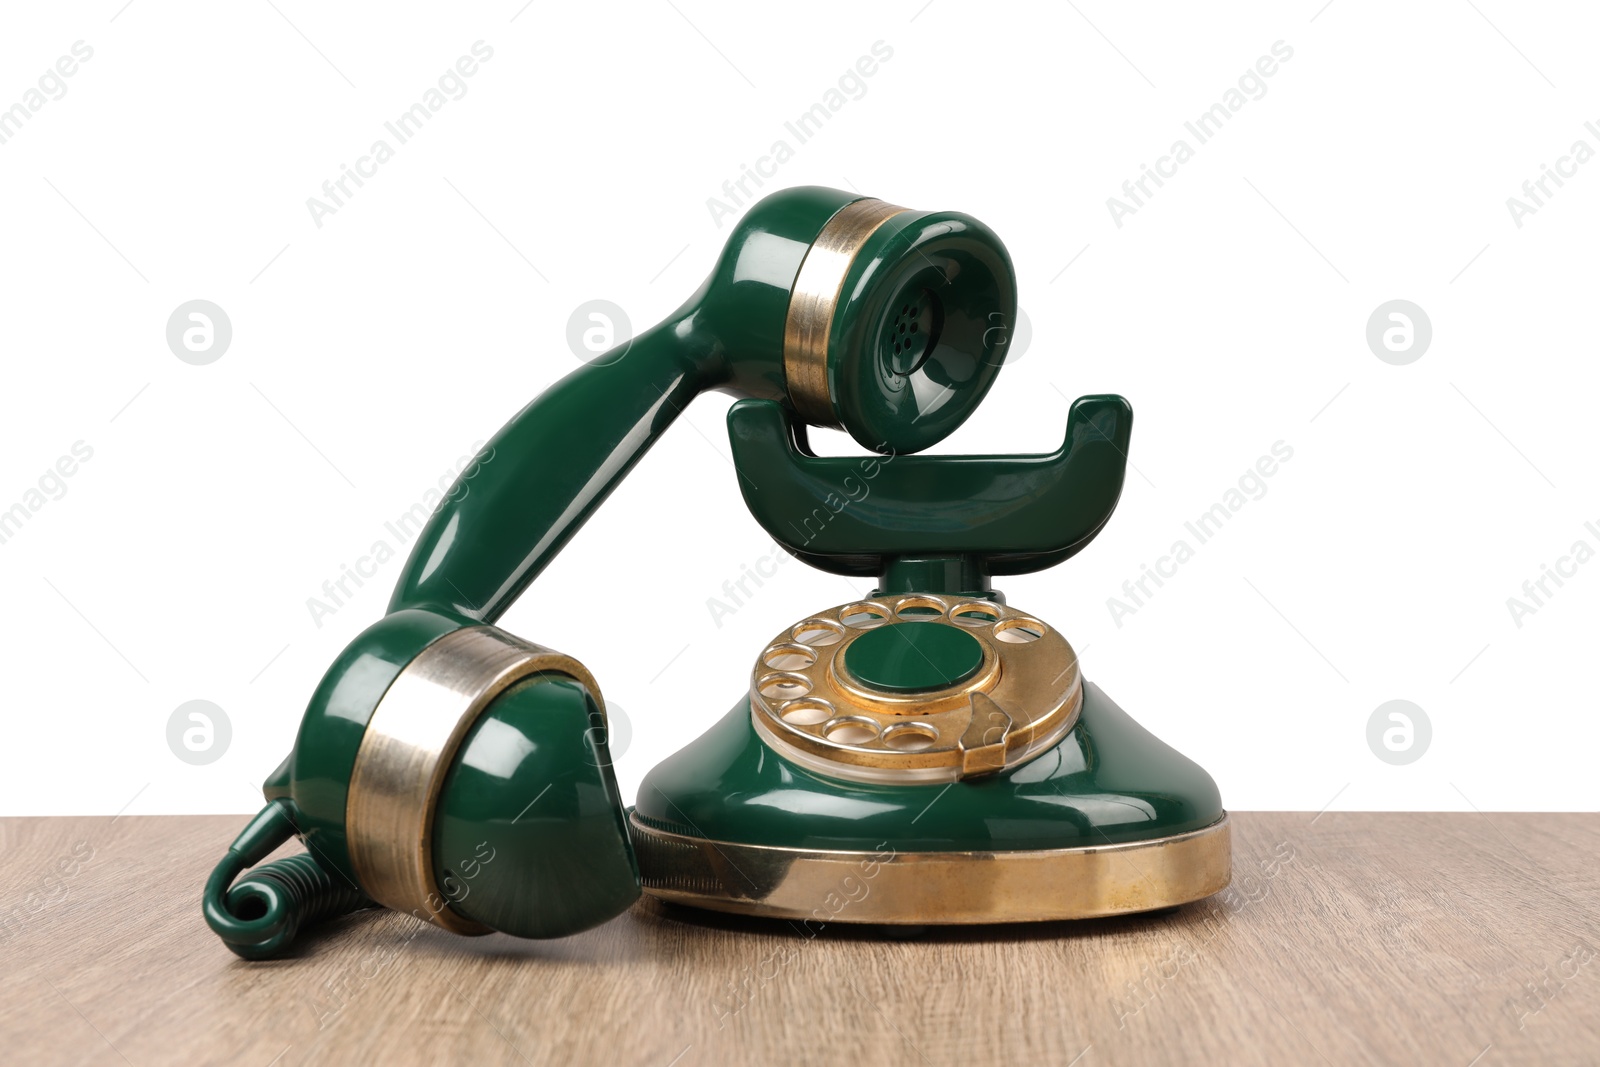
<point>816,297</point>
<point>411,742</point>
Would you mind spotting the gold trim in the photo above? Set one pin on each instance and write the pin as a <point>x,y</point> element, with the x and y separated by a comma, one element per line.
<point>815,298</point>
<point>934,888</point>
<point>1022,699</point>
<point>410,743</point>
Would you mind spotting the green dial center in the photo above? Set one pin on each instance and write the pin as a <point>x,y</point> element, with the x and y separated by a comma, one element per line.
<point>905,657</point>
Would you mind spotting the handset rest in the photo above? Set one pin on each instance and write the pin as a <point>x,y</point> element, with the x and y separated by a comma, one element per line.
<point>985,515</point>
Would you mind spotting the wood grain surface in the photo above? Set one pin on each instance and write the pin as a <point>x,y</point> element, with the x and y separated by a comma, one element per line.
<point>1347,938</point>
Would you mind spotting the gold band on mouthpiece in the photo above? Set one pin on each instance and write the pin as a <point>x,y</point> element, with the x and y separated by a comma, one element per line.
<point>410,744</point>
<point>816,297</point>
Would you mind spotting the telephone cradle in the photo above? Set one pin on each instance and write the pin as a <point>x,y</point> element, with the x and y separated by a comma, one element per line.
<point>928,754</point>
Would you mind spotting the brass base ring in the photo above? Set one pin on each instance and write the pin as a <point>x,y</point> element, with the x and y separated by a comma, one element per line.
<point>934,888</point>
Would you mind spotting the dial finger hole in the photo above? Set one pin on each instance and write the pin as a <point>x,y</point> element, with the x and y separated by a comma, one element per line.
<point>911,737</point>
<point>1020,631</point>
<point>918,606</point>
<point>789,657</point>
<point>818,632</point>
<point>806,712</point>
<point>863,615</point>
<point>974,614</point>
<point>783,686</point>
<point>851,730</point>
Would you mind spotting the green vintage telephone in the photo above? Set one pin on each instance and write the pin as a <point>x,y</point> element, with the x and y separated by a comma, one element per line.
<point>927,755</point>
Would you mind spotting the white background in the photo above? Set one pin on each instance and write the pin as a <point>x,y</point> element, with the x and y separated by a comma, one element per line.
<point>372,352</point>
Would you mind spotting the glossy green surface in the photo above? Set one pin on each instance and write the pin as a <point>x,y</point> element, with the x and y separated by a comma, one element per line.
<point>963,575</point>
<point>529,837</point>
<point>1108,781</point>
<point>542,476</point>
<point>946,522</point>
<point>904,657</point>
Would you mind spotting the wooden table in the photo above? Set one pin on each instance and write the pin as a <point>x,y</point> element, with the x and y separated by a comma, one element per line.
<point>1347,938</point>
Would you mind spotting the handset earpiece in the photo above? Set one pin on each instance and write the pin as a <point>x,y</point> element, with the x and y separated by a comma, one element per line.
<point>897,324</point>
<point>438,744</point>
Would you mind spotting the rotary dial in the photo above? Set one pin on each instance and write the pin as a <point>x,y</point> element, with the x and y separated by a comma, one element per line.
<point>915,688</point>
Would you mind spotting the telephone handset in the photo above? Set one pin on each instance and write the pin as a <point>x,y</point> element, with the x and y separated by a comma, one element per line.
<point>930,738</point>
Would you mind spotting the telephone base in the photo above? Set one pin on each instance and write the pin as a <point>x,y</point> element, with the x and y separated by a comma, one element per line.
<point>1110,820</point>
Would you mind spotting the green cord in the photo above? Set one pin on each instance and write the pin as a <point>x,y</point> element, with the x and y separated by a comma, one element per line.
<point>259,916</point>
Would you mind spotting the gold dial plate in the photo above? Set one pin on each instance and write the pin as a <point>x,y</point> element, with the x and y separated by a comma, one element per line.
<point>1022,698</point>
